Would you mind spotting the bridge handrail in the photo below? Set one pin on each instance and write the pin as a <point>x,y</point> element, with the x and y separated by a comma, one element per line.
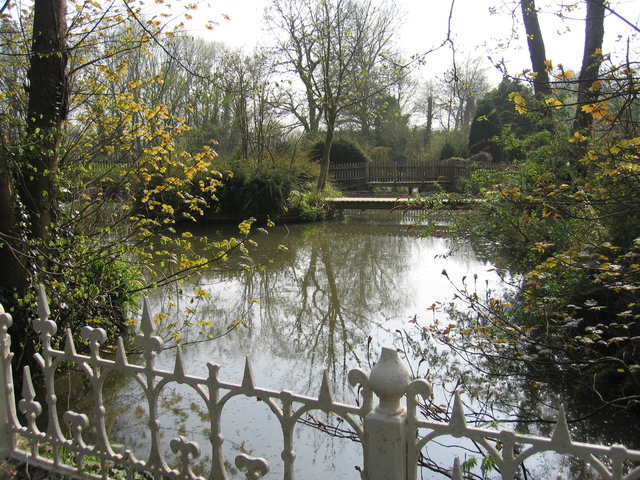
<point>403,172</point>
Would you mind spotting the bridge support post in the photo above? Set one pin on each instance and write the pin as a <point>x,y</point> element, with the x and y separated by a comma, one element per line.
<point>385,446</point>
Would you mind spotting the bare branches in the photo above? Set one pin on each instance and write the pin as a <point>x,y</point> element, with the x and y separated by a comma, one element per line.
<point>4,7</point>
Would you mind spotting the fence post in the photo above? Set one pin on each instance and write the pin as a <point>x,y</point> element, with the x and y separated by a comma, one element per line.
<point>7,402</point>
<point>385,429</point>
<point>367,174</point>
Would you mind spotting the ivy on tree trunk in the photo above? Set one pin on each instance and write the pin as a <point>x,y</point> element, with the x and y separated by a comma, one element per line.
<point>27,182</point>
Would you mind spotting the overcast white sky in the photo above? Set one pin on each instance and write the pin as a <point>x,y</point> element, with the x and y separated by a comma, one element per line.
<point>475,31</point>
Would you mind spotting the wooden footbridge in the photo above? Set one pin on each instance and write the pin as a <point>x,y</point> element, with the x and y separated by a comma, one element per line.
<point>446,173</point>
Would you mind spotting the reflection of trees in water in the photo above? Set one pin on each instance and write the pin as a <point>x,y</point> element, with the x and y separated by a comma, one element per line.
<point>317,304</point>
<point>319,299</point>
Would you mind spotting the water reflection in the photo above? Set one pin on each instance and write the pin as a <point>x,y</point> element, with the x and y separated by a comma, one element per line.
<point>339,293</point>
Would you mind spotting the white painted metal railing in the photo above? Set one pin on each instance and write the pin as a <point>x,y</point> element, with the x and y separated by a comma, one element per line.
<point>391,434</point>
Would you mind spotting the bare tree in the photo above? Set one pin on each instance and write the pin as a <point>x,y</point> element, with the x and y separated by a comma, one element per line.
<point>296,33</point>
<point>333,47</point>
<point>457,92</point>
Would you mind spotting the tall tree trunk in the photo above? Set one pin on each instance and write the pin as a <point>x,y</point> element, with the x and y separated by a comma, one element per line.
<point>47,109</point>
<point>467,116</point>
<point>588,92</point>
<point>541,85</point>
<point>427,133</point>
<point>315,113</point>
<point>15,272</point>
<point>242,123</point>
<point>326,153</point>
<point>30,181</point>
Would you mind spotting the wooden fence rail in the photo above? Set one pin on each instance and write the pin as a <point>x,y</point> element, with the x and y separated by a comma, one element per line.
<point>400,173</point>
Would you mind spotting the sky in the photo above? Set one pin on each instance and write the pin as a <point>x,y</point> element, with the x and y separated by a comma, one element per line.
<point>475,31</point>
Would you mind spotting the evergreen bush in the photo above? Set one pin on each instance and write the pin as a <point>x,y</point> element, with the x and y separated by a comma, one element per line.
<point>342,151</point>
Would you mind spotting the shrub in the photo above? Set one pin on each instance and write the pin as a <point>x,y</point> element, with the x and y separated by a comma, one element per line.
<point>485,129</point>
<point>252,189</point>
<point>448,151</point>
<point>381,154</point>
<point>311,203</point>
<point>342,151</point>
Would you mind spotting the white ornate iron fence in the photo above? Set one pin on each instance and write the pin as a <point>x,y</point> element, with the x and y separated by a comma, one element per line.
<point>391,434</point>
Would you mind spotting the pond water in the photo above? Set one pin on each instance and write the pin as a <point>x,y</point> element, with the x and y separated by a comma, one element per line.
<point>341,291</point>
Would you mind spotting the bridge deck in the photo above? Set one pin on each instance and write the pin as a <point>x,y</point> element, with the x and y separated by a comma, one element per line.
<point>363,203</point>
<point>374,203</point>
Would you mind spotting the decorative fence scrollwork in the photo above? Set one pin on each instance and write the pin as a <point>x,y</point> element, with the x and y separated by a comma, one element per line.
<point>392,435</point>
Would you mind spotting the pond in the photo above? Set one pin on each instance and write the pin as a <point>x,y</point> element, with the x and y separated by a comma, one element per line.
<point>341,291</point>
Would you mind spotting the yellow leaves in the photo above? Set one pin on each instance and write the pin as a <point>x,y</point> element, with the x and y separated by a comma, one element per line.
<point>519,102</point>
<point>564,75</point>
<point>245,226</point>
<point>577,137</point>
<point>595,86</point>
<point>552,102</point>
<point>511,192</point>
<point>122,67</point>
<point>626,144</point>
<point>173,181</point>
<point>160,111</point>
<point>615,149</point>
<point>201,293</point>
<point>591,157</point>
<point>109,74</point>
<point>596,110</point>
<point>542,246</point>
<point>134,107</point>
<point>155,150</point>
